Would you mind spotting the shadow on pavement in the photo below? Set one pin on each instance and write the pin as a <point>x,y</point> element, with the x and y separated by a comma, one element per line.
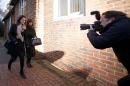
<point>51,56</point>
<point>4,57</point>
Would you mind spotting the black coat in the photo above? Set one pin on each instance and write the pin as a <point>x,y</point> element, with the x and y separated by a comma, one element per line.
<point>16,45</point>
<point>117,36</point>
<point>29,34</point>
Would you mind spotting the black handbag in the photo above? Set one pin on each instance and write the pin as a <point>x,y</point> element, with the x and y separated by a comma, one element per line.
<point>7,44</point>
<point>36,41</point>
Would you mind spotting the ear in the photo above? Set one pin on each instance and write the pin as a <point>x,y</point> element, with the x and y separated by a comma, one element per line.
<point>111,19</point>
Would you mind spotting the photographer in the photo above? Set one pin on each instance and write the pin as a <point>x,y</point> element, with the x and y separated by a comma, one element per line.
<point>115,34</point>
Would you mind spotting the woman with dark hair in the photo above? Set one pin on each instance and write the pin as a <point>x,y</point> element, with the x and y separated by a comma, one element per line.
<point>116,35</point>
<point>29,35</point>
<point>16,36</point>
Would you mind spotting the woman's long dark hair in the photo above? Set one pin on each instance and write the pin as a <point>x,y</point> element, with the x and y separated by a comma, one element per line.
<point>20,17</point>
<point>115,14</point>
<point>28,21</point>
<point>30,28</point>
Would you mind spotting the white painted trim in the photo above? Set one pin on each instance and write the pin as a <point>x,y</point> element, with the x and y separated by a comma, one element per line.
<point>10,22</point>
<point>22,4</point>
<point>56,16</point>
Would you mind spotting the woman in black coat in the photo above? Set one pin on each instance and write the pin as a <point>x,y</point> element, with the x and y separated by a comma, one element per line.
<point>17,48</point>
<point>29,35</point>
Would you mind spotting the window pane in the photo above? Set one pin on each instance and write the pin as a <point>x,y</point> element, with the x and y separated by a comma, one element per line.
<point>63,7</point>
<point>74,6</point>
<point>21,7</point>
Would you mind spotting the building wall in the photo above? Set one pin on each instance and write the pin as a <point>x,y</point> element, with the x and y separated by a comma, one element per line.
<point>16,14</point>
<point>6,29</point>
<point>79,55</point>
<point>30,9</point>
<point>34,10</point>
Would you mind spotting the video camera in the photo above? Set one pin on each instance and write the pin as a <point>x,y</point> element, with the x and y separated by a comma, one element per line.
<point>97,24</point>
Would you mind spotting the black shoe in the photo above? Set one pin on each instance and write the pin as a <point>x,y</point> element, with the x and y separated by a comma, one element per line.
<point>23,75</point>
<point>9,67</point>
<point>29,65</point>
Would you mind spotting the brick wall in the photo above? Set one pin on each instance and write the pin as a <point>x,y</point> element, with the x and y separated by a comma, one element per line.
<point>79,55</point>
<point>39,23</point>
<point>28,12</point>
<point>16,14</point>
<point>30,9</point>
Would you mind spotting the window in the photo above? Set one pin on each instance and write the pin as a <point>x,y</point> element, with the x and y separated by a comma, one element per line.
<point>22,4</point>
<point>63,7</point>
<point>9,23</point>
<point>74,6</point>
<point>68,8</point>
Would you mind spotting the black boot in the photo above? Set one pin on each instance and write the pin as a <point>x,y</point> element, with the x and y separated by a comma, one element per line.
<point>13,58</point>
<point>125,81</point>
<point>9,66</point>
<point>23,75</point>
<point>29,65</point>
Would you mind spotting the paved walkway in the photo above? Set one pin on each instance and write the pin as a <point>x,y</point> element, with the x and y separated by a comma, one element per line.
<point>36,76</point>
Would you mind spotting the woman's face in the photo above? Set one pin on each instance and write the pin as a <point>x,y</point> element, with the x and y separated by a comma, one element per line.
<point>23,20</point>
<point>30,23</point>
<point>105,21</point>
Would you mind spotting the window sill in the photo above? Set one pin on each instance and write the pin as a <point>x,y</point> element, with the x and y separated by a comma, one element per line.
<point>67,17</point>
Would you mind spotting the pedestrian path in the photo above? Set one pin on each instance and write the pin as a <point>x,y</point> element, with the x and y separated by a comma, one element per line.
<point>42,74</point>
<point>36,76</point>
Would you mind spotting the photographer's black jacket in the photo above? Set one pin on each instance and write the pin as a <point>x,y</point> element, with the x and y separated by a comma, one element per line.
<point>117,36</point>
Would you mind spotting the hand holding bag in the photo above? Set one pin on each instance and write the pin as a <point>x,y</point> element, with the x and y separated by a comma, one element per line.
<point>36,41</point>
<point>7,44</point>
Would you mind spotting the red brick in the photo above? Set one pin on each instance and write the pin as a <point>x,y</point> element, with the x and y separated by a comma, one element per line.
<point>36,76</point>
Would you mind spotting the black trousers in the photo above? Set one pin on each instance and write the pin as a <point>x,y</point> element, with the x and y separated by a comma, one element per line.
<point>125,81</point>
<point>30,52</point>
<point>18,50</point>
<point>13,58</point>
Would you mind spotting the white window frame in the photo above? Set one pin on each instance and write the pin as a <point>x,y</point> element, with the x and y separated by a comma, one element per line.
<point>22,4</point>
<point>10,22</point>
<point>56,11</point>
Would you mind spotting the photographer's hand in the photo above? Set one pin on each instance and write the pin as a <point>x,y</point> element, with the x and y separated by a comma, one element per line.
<point>91,28</point>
